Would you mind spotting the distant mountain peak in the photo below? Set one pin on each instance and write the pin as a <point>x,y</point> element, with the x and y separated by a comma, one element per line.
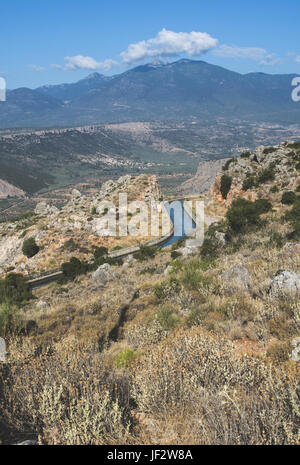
<point>92,76</point>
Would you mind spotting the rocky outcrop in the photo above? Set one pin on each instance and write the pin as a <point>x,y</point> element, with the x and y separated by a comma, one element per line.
<point>285,284</point>
<point>281,161</point>
<point>203,179</point>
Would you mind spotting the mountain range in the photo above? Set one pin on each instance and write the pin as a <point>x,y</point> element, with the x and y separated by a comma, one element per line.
<point>183,90</point>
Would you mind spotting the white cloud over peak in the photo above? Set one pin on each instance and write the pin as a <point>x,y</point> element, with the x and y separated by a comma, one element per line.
<point>232,51</point>
<point>169,43</point>
<point>297,59</point>
<point>85,62</point>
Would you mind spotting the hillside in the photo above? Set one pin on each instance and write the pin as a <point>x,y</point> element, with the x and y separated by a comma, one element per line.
<point>7,190</point>
<point>123,354</point>
<point>186,89</point>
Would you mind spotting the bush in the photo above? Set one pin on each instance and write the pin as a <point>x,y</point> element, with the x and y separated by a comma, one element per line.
<point>175,254</point>
<point>269,150</point>
<point>14,289</point>
<point>298,188</point>
<point>166,318</point>
<point>274,189</point>
<point>146,253</point>
<point>126,358</point>
<point>73,268</point>
<point>209,248</point>
<point>244,215</point>
<point>100,252</point>
<point>226,182</point>
<point>71,245</point>
<point>245,154</point>
<point>30,248</point>
<point>263,206</point>
<point>228,163</point>
<point>166,288</point>
<point>249,183</point>
<point>288,198</point>
<point>9,319</point>
<point>266,175</point>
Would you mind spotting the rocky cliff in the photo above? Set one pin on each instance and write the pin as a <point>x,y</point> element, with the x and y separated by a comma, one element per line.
<point>204,178</point>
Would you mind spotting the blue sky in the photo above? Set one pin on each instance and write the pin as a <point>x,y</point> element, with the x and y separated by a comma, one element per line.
<point>49,42</point>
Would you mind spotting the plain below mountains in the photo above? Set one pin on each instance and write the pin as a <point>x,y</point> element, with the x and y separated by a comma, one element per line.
<point>185,89</point>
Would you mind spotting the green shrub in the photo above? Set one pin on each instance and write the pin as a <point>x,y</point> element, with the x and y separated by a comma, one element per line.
<point>276,239</point>
<point>269,150</point>
<point>71,245</point>
<point>146,253</point>
<point>100,252</point>
<point>263,206</point>
<point>193,279</point>
<point>209,248</point>
<point>249,183</point>
<point>126,358</point>
<point>9,319</point>
<point>266,175</point>
<point>226,182</point>
<point>244,215</point>
<point>14,289</point>
<point>166,288</point>
<point>274,189</point>
<point>30,248</point>
<point>293,217</point>
<point>228,163</point>
<point>245,154</point>
<point>175,254</point>
<point>73,268</point>
<point>288,198</point>
<point>167,318</point>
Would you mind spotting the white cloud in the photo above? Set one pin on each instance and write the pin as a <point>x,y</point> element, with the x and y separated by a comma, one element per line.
<point>84,62</point>
<point>37,68</point>
<point>297,59</point>
<point>168,44</point>
<point>271,60</point>
<point>232,51</point>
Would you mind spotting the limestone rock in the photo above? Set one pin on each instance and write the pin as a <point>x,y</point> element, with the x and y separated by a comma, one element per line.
<point>103,274</point>
<point>296,351</point>
<point>286,284</point>
<point>238,274</point>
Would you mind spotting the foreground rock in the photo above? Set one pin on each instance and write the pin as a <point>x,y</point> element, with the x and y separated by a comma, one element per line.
<point>286,284</point>
<point>238,274</point>
<point>103,274</point>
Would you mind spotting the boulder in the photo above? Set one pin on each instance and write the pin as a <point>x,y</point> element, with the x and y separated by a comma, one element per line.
<point>103,274</point>
<point>285,284</point>
<point>186,251</point>
<point>75,193</point>
<point>296,351</point>
<point>220,237</point>
<point>238,274</point>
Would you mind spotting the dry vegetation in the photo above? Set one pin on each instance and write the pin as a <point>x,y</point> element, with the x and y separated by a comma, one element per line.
<point>183,358</point>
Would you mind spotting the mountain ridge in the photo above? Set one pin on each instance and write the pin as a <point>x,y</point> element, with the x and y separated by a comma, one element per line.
<point>184,89</point>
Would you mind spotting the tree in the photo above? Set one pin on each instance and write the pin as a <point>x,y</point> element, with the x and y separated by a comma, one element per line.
<point>225,185</point>
<point>30,248</point>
